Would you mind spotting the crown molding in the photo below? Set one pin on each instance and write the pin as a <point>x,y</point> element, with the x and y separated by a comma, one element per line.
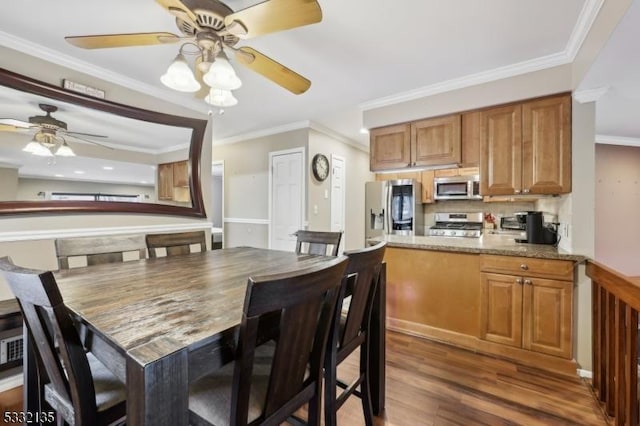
<point>581,29</point>
<point>337,136</point>
<point>590,95</point>
<point>617,140</point>
<point>27,47</point>
<point>297,125</point>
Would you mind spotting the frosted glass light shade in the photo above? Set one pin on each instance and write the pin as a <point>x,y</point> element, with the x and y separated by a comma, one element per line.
<point>36,148</point>
<point>65,151</point>
<point>220,98</point>
<point>221,75</point>
<point>179,76</point>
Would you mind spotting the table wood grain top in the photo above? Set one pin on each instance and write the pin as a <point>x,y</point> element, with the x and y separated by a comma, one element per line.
<point>170,303</point>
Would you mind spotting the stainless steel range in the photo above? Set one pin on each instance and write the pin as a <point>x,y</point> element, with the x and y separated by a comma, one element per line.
<point>457,225</point>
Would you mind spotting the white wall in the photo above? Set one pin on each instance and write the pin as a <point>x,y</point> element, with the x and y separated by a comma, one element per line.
<point>216,201</point>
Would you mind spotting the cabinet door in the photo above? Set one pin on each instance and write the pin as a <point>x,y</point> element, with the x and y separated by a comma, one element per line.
<point>427,186</point>
<point>501,309</point>
<point>546,146</point>
<point>436,141</point>
<point>165,181</point>
<point>181,174</point>
<point>471,125</point>
<point>390,147</point>
<point>501,151</point>
<point>547,316</point>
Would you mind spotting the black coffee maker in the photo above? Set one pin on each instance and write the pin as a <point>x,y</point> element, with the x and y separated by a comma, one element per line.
<point>536,231</point>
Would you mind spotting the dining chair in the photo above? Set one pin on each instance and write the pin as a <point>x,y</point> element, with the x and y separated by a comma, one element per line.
<point>350,331</point>
<point>317,242</point>
<point>99,250</point>
<point>266,384</point>
<point>175,244</point>
<point>78,386</point>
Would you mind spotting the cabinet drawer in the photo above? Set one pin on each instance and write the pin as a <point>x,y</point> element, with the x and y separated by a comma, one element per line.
<point>527,266</point>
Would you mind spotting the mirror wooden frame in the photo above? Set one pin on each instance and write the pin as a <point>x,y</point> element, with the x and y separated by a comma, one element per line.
<point>26,84</point>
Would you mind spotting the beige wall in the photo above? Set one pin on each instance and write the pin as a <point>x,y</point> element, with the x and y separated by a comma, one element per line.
<point>618,200</point>
<point>356,174</point>
<point>9,186</point>
<point>28,188</point>
<point>246,184</point>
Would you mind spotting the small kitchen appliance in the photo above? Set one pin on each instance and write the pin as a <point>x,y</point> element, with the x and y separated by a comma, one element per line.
<point>457,188</point>
<point>457,225</point>
<point>537,232</point>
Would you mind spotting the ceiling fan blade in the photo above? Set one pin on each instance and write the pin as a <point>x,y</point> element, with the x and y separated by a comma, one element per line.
<point>271,16</point>
<point>83,134</point>
<point>122,40</point>
<point>204,89</point>
<point>179,10</point>
<point>90,141</point>
<point>10,128</point>
<point>274,71</point>
<point>12,122</point>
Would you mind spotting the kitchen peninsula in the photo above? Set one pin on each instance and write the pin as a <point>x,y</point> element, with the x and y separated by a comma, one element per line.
<point>487,294</point>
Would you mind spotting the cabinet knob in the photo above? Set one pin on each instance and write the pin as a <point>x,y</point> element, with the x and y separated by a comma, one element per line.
<point>518,280</point>
<point>527,282</point>
<point>526,191</point>
<point>517,191</point>
<point>524,267</point>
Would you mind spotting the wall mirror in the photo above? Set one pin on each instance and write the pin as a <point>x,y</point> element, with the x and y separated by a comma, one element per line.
<point>61,151</point>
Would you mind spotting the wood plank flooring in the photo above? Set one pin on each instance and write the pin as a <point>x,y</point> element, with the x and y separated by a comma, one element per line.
<point>434,384</point>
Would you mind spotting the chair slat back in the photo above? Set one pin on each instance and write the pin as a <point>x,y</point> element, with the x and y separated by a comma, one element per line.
<point>317,242</point>
<point>48,322</point>
<point>305,300</point>
<point>175,243</point>
<point>366,264</point>
<point>99,250</point>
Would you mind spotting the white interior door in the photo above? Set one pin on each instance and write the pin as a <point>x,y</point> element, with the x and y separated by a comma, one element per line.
<point>287,198</point>
<point>338,183</point>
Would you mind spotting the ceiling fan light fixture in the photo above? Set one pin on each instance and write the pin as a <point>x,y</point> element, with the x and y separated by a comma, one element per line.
<point>33,147</point>
<point>65,151</point>
<point>179,76</point>
<point>220,98</point>
<point>221,75</point>
<point>42,151</point>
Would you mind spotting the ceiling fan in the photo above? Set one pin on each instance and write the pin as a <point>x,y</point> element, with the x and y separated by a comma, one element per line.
<point>51,134</point>
<point>211,26</point>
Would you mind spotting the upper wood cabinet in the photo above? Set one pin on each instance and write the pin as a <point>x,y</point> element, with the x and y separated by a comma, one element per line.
<point>430,142</point>
<point>173,182</point>
<point>165,181</point>
<point>526,148</point>
<point>181,174</point>
<point>471,125</point>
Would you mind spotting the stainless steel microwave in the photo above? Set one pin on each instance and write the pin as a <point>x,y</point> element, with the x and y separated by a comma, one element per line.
<point>457,188</point>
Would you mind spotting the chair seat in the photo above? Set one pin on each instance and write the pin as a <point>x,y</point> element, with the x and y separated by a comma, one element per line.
<point>210,396</point>
<point>110,392</point>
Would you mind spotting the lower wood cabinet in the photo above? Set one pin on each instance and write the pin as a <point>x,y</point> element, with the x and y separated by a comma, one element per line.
<point>525,310</point>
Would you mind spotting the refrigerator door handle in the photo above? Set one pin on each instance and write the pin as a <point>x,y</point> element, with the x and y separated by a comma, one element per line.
<point>388,192</point>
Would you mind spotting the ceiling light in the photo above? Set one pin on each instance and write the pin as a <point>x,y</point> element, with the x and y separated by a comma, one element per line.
<point>36,148</point>
<point>220,98</point>
<point>364,130</point>
<point>79,172</point>
<point>58,175</point>
<point>107,168</point>
<point>221,74</point>
<point>179,76</point>
<point>65,150</point>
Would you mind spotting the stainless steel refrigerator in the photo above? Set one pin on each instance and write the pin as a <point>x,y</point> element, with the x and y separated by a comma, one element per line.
<point>393,207</point>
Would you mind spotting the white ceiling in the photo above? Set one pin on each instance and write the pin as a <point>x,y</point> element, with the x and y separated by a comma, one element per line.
<point>362,51</point>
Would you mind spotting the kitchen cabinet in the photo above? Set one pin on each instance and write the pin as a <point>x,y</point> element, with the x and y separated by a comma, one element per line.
<point>425,178</point>
<point>462,171</point>
<point>470,134</point>
<point>430,142</point>
<point>527,303</point>
<point>173,182</point>
<point>525,148</point>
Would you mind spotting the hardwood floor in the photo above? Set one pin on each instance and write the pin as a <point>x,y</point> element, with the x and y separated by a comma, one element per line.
<point>434,384</point>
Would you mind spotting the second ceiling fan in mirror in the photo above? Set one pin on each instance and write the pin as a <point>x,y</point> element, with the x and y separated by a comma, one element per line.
<point>209,27</point>
<point>50,136</point>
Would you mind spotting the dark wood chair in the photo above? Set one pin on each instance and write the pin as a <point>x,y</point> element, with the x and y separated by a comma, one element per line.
<point>76,385</point>
<point>350,331</point>
<point>99,250</point>
<point>317,242</point>
<point>175,244</point>
<point>266,384</point>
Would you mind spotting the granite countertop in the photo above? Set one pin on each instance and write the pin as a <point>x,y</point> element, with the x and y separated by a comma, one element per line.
<point>486,244</point>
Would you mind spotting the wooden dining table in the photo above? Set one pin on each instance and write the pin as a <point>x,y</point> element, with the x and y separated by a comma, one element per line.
<point>159,324</point>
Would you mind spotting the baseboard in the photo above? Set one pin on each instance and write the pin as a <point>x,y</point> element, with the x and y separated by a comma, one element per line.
<point>586,374</point>
<point>10,382</point>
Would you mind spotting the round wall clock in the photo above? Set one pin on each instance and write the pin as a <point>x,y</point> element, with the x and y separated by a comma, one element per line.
<point>320,167</point>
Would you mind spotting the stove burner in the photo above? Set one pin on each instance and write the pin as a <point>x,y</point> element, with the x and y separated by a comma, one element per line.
<point>453,225</point>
